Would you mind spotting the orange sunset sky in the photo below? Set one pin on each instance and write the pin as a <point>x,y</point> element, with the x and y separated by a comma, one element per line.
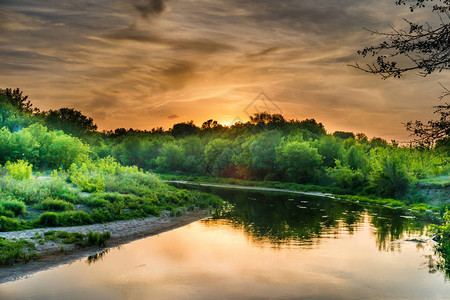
<point>152,63</point>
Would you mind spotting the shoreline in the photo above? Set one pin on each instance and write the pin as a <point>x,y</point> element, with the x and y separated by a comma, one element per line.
<point>122,232</point>
<point>338,197</point>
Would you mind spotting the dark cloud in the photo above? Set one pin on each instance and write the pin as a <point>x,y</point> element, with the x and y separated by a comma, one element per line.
<point>149,8</point>
<point>171,117</point>
<point>263,52</point>
<point>133,33</point>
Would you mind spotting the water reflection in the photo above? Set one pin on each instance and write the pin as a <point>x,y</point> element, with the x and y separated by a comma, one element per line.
<point>283,219</point>
<point>96,257</point>
<point>265,246</point>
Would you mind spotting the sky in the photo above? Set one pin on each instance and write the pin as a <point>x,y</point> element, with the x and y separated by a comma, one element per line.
<point>152,63</point>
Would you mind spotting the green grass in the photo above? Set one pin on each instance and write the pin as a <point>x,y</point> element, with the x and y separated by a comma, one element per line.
<point>439,181</point>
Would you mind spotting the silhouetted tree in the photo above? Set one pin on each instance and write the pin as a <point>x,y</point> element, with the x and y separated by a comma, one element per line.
<point>426,47</point>
<point>184,129</point>
<point>344,135</point>
<point>69,120</point>
<point>265,118</point>
<point>16,98</point>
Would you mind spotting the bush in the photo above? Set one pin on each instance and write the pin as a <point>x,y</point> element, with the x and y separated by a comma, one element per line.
<point>6,213</point>
<point>13,251</point>
<point>48,219</point>
<point>9,224</point>
<point>54,205</point>
<point>97,239</point>
<point>74,218</point>
<point>17,207</point>
<point>19,170</point>
<point>389,177</point>
<point>346,177</point>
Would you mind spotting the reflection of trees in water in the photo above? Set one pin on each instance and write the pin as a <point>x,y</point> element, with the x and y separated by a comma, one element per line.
<point>279,220</point>
<point>304,220</point>
<point>97,257</point>
<point>391,225</point>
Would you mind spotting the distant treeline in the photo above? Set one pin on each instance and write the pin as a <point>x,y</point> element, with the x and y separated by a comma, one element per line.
<point>267,147</point>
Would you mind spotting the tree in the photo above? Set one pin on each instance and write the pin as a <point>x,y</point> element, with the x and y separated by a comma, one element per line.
<point>184,129</point>
<point>18,100</point>
<point>344,135</point>
<point>300,161</point>
<point>69,120</point>
<point>426,48</point>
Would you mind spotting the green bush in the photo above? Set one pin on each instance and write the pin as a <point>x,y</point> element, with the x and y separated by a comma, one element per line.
<point>6,213</point>
<point>97,239</point>
<point>74,218</point>
<point>19,170</point>
<point>9,224</point>
<point>17,207</point>
<point>48,219</point>
<point>389,175</point>
<point>54,205</point>
<point>12,251</point>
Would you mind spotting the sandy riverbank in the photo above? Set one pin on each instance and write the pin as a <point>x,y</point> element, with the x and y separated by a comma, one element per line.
<point>50,254</point>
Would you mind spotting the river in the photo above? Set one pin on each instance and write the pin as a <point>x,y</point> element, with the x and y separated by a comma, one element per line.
<point>266,245</point>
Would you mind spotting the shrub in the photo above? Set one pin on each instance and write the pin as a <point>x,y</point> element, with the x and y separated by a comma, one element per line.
<point>6,213</point>
<point>9,224</point>
<point>54,205</point>
<point>17,207</point>
<point>389,176</point>
<point>347,178</point>
<point>48,219</point>
<point>19,170</point>
<point>74,218</point>
<point>13,251</point>
<point>97,239</point>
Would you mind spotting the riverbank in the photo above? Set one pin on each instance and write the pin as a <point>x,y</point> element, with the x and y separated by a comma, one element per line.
<point>50,254</point>
<point>312,190</point>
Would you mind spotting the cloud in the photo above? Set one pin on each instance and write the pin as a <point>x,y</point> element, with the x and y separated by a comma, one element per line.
<point>150,8</point>
<point>171,117</point>
<point>133,33</point>
<point>203,58</point>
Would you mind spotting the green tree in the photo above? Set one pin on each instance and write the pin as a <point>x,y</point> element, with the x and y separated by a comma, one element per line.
<point>218,156</point>
<point>299,160</point>
<point>69,120</point>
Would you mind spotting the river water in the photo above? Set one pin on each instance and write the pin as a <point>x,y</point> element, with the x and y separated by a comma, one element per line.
<point>264,246</point>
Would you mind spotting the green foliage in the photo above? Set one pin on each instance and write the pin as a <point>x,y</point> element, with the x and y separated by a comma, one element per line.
<point>79,239</point>
<point>48,219</point>
<point>17,207</point>
<point>389,176</point>
<point>12,251</point>
<point>54,205</point>
<point>218,155</point>
<point>9,224</point>
<point>98,239</point>
<point>299,159</point>
<point>170,158</point>
<point>346,177</point>
<point>19,170</point>
<point>40,147</point>
<point>69,218</point>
